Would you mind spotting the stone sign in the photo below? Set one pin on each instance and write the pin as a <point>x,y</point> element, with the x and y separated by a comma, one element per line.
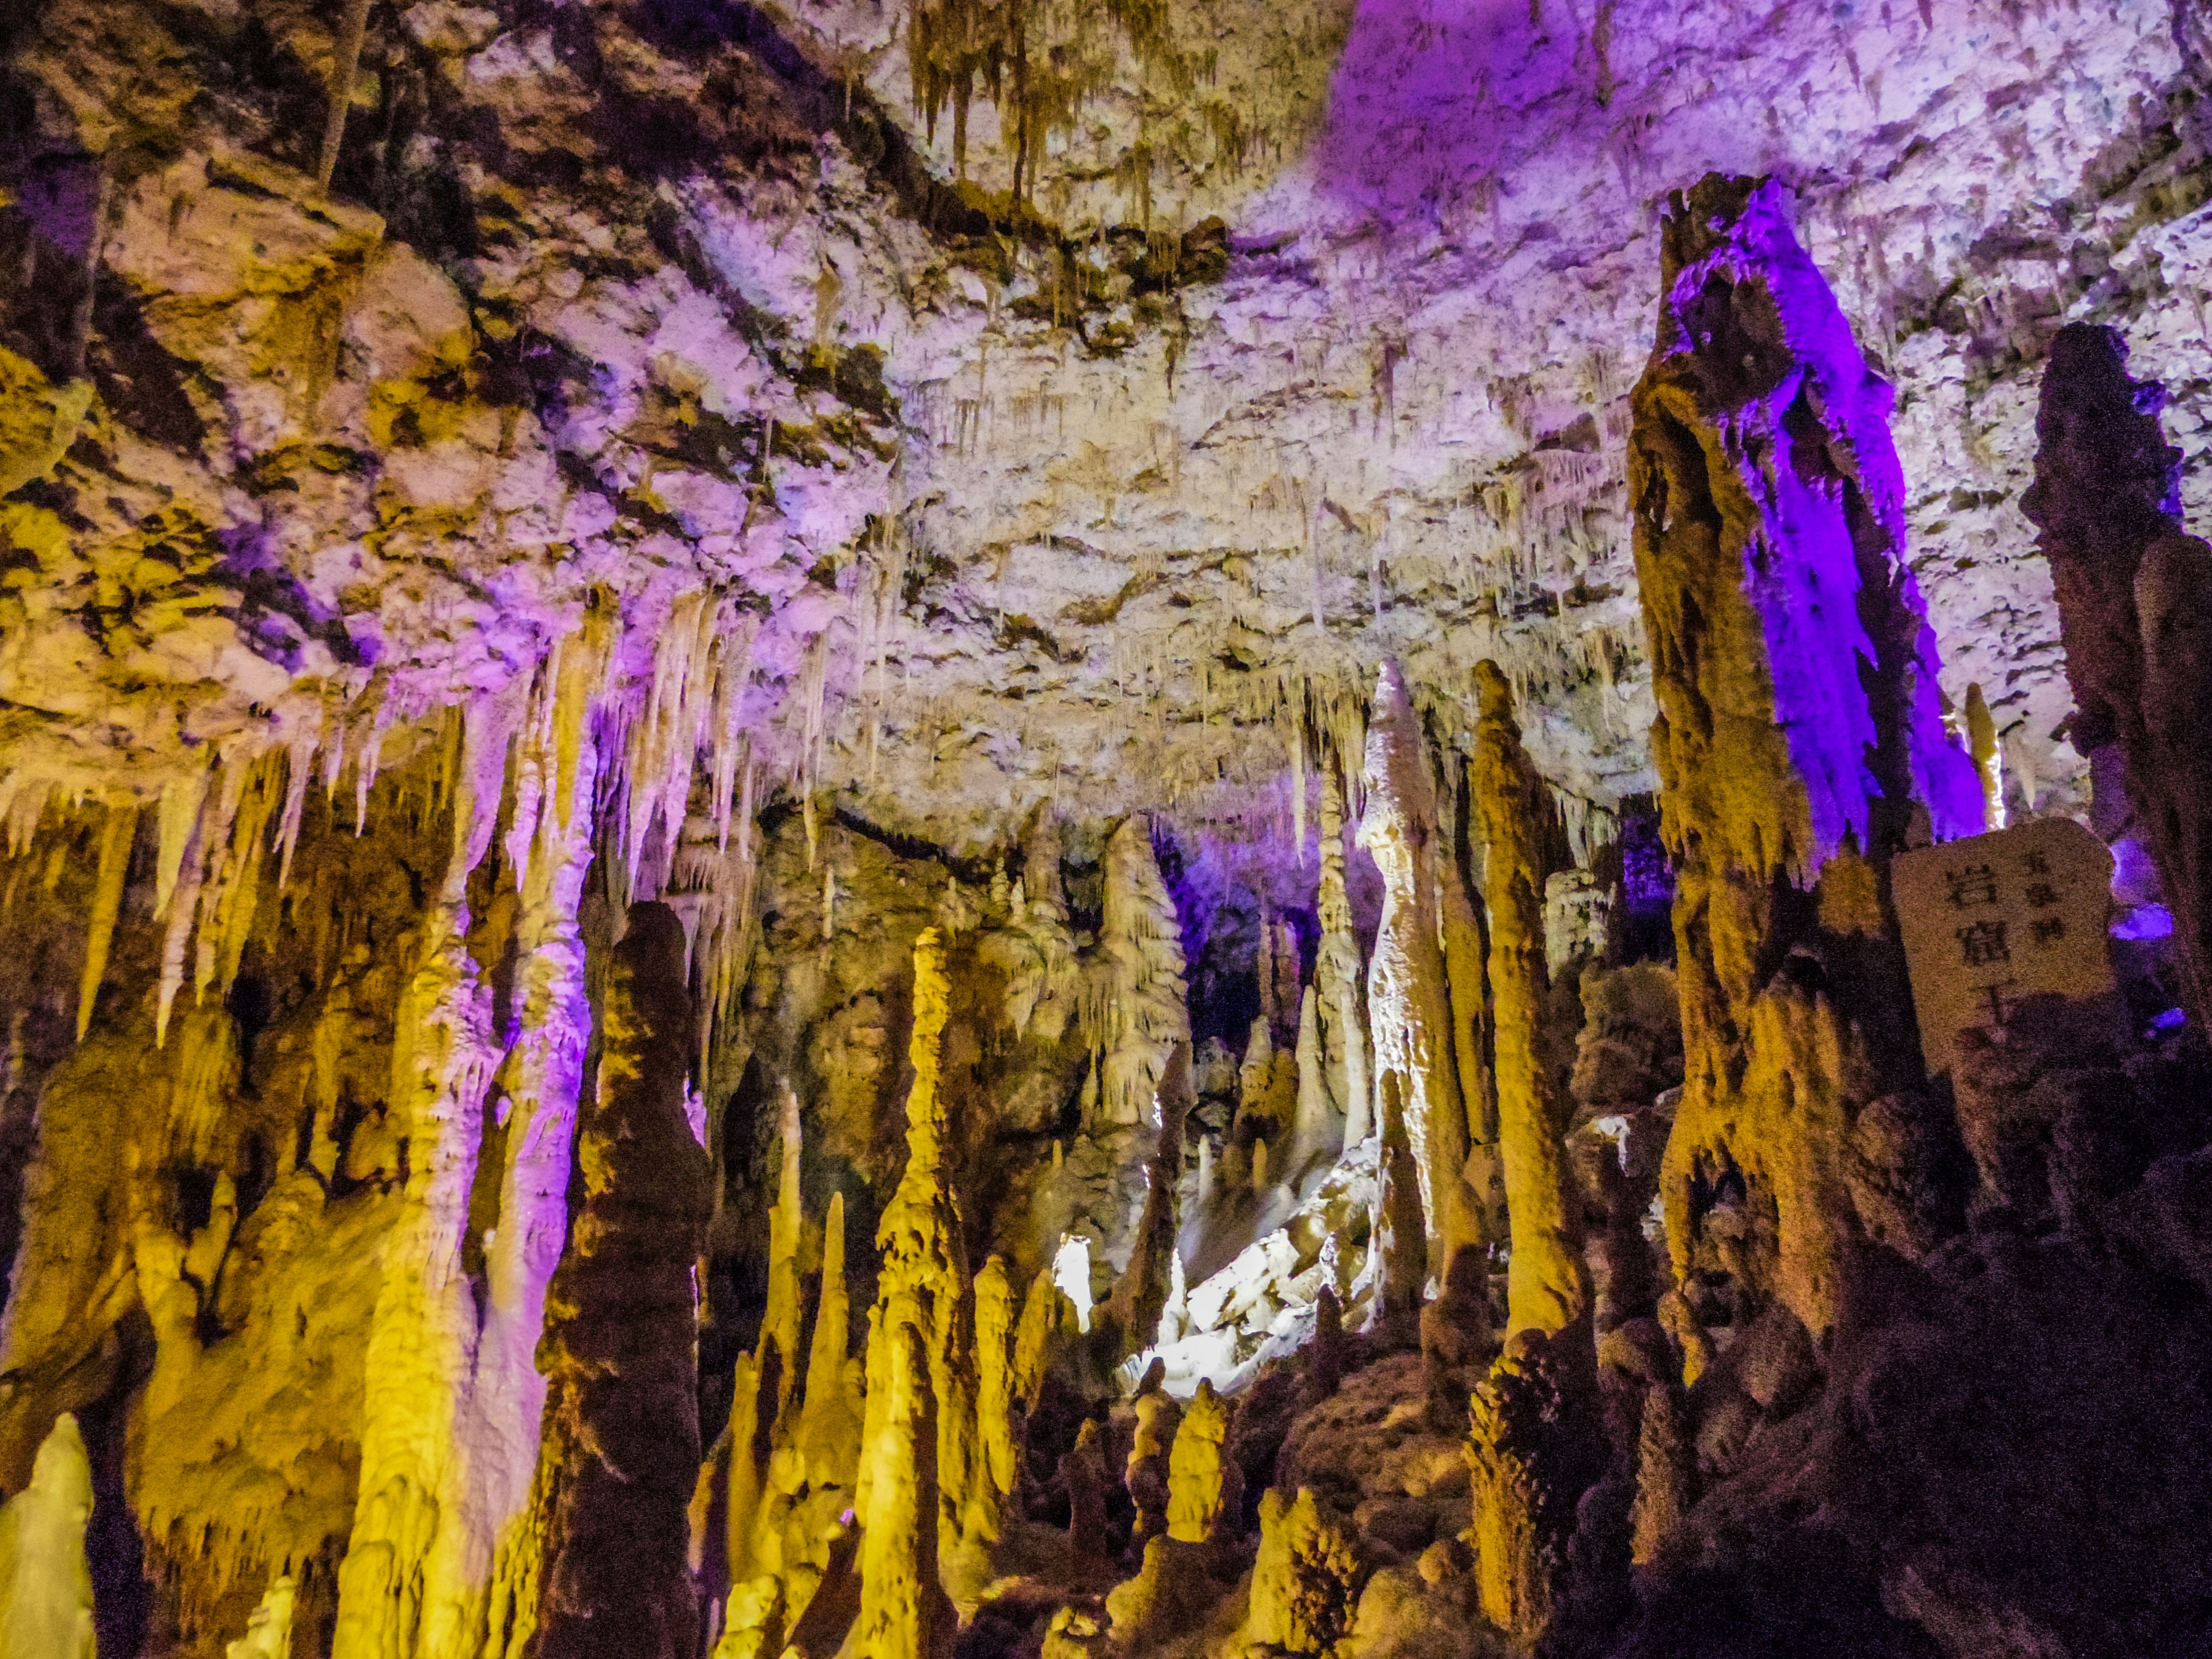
<point>1992,919</point>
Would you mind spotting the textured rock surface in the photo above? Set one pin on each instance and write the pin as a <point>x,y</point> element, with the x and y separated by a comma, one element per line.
<point>640,644</point>
<point>622,1437</point>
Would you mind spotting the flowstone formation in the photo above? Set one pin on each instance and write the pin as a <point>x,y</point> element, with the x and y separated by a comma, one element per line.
<point>967,831</point>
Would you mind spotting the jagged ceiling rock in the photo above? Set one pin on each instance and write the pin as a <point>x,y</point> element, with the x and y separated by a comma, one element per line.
<point>1065,499</point>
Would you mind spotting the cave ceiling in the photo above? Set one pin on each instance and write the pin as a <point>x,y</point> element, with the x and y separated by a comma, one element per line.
<point>1046,399</point>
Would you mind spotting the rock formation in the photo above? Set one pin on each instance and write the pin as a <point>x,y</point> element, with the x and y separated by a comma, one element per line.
<point>1798,733</point>
<point>1305,1583</point>
<point>622,1439</point>
<point>1547,1286</point>
<point>1407,990</point>
<point>45,1586</point>
<point>2129,584</point>
<point>589,593</point>
<point>1195,1487</point>
<point>1338,976</point>
<point>1144,1017</point>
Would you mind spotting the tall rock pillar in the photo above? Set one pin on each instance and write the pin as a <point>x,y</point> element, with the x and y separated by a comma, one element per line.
<point>1547,1285</point>
<point>1798,733</point>
<point>2132,596</point>
<point>1409,1001</point>
<point>622,1419</point>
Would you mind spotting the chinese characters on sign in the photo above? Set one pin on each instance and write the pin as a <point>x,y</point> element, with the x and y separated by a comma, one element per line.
<point>1995,918</point>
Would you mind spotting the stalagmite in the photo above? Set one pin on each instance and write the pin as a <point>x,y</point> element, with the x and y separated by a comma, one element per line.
<point>269,1631</point>
<point>829,1420</point>
<point>902,1610</point>
<point>1082,1473</point>
<point>1397,1240</point>
<point>1142,1290</point>
<point>1194,1467</point>
<point>1145,1475</point>
<point>557,768</point>
<point>622,1431</point>
<point>1407,997</point>
<point>1337,973</point>
<point>923,1288</point>
<point>995,1368</point>
<point>1794,676</point>
<point>1534,1445</point>
<point>779,1332</point>
<point>1146,1015</point>
<point>1305,1583</point>
<point>1547,1286</point>
<point>1044,1311</point>
<point>412,1541</point>
<point>1315,1130</point>
<point>45,1583</point>
<point>1663,1465</point>
<point>2131,587</point>
<point>742,1491</point>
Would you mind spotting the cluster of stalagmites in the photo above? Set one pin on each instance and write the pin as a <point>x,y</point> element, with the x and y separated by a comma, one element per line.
<point>1507,1295</point>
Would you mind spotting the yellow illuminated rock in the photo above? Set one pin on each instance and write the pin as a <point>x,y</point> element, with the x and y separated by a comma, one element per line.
<point>1547,1286</point>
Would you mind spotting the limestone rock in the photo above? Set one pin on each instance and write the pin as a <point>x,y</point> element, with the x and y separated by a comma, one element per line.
<point>1306,1582</point>
<point>45,1585</point>
<point>622,1440</point>
<point>1547,1286</point>
<point>2129,585</point>
<point>1773,742</point>
<point>1195,1486</point>
<point>1407,991</point>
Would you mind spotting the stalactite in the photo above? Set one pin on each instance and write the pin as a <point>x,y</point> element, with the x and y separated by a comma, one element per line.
<point>1547,1286</point>
<point>2129,585</point>
<point>1408,1000</point>
<point>557,765</point>
<point>622,1431</point>
<point>1795,677</point>
<point>1987,757</point>
<point>1338,974</point>
<point>46,1581</point>
<point>118,828</point>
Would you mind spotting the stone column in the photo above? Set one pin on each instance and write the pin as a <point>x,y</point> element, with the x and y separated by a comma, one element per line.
<point>2132,593</point>
<point>1798,733</point>
<point>1408,1000</point>
<point>1547,1286</point>
<point>621,1450</point>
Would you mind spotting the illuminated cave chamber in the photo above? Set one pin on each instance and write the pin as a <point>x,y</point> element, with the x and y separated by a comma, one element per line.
<point>974,831</point>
